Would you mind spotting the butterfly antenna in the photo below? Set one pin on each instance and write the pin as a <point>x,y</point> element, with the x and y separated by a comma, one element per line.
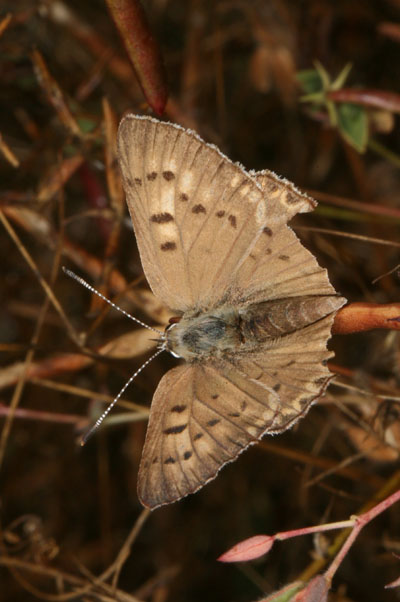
<point>90,432</point>
<point>93,290</point>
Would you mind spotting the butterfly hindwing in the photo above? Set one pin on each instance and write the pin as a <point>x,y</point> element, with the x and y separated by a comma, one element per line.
<point>202,416</point>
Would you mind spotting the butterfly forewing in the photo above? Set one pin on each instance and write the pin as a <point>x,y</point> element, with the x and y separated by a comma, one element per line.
<point>196,214</point>
<point>284,198</point>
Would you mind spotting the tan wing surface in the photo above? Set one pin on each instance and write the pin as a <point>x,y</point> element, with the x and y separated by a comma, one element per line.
<point>278,265</point>
<point>202,416</point>
<point>295,367</point>
<point>196,215</point>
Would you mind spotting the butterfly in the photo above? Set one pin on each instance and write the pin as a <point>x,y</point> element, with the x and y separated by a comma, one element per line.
<point>254,309</point>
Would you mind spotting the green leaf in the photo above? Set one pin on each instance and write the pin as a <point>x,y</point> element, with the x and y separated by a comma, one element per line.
<point>285,594</point>
<point>310,81</point>
<point>353,125</point>
<point>341,78</point>
<point>86,125</point>
<point>323,74</point>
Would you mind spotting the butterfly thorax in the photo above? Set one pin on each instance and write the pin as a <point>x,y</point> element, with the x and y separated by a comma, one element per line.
<point>250,327</point>
<point>198,336</point>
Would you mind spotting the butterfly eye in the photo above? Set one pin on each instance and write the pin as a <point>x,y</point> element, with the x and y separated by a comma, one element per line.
<point>174,320</point>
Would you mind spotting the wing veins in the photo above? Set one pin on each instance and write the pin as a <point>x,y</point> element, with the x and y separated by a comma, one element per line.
<point>221,415</point>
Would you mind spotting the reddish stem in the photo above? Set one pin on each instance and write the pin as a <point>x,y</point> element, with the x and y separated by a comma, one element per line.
<point>143,50</point>
<point>376,99</point>
<point>358,317</point>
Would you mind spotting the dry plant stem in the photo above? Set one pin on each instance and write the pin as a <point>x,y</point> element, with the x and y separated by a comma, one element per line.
<point>54,94</point>
<point>35,338</point>
<point>29,356</point>
<point>114,184</point>
<point>115,568</point>
<point>65,169</point>
<point>47,289</point>
<point>81,585</point>
<point>8,153</point>
<point>124,552</point>
<point>79,392</point>
<point>359,317</point>
<point>354,474</point>
<point>143,51</point>
<point>4,23</point>
<point>115,193</point>
<point>368,239</point>
<point>339,201</point>
<point>317,565</point>
<point>384,152</point>
<point>69,362</point>
<point>39,416</point>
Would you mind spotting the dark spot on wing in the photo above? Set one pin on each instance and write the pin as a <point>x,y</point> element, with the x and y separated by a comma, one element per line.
<point>161,218</point>
<point>184,197</point>
<point>199,209</point>
<point>252,256</point>
<point>268,251</point>
<point>284,257</point>
<point>168,175</point>
<point>213,422</point>
<point>292,199</point>
<point>175,430</point>
<point>168,246</point>
<point>151,176</point>
<point>271,187</point>
<point>178,409</point>
<point>276,387</point>
<point>197,436</point>
<point>220,213</point>
<point>187,455</point>
<point>234,415</point>
<point>155,460</point>
<point>129,181</point>
<point>215,396</point>
<point>169,460</point>
<point>243,406</point>
<point>232,221</point>
<point>290,363</point>
<point>267,231</point>
<point>138,181</point>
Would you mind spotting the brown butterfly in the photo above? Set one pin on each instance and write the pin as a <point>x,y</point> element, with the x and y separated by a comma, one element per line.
<point>255,308</point>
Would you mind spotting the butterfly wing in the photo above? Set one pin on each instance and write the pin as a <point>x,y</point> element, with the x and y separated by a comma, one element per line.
<point>196,215</point>
<point>278,265</point>
<point>294,367</point>
<point>202,416</point>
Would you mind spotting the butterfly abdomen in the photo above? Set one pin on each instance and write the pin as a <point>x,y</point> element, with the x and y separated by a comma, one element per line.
<point>274,319</point>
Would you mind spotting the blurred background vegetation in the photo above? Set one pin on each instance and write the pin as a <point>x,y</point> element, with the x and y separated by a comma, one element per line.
<point>239,74</point>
